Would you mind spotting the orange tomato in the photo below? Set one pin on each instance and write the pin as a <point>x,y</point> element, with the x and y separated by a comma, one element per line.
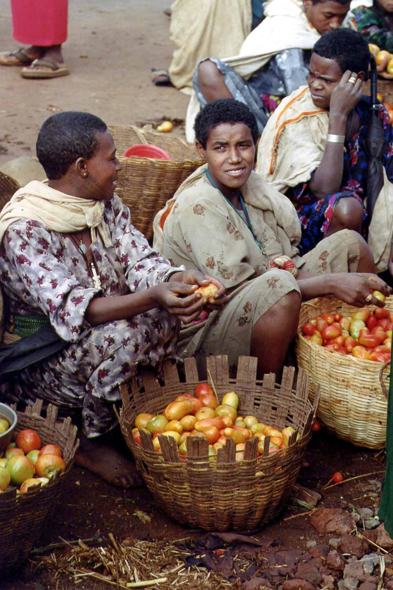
<point>212,434</point>
<point>331,332</point>
<point>28,440</point>
<point>208,400</point>
<point>369,340</point>
<point>328,317</point>
<point>177,410</point>
<point>360,352</point>
<point>317,339</point>
<point>196,403</point>
<point>207,423</point>
<point>142,419</point>
<point>350,343</point>
<point>205,412</point>
<point>175,426</point>
<point>188,422</point>
<point>389,67</point>
<point>381,56</point>
<point>321,324</point>
<point>309,329</point>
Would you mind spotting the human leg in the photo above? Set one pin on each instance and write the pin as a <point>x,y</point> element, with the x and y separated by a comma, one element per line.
<point>211,81</point>
<point>348,214</point>
<point>344,251</point>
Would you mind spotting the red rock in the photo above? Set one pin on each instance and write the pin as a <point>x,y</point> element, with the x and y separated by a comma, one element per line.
<point>333,520</point>
<point>257,584</point>
<point>335,560</point>
<point>321,551</point>
<point>368,586</point>
<point>353,545</point>
<point>384,540</point>
<point>310,573</point>
<point>297,585</point>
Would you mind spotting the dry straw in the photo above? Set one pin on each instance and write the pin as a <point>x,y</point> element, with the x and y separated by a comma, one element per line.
<point>22,516</point>
<point>222,494</point>
<point>146,184</point>
<point>352,404</point>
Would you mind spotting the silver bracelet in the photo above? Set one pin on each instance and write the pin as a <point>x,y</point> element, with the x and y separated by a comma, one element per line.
<point>335,138</point>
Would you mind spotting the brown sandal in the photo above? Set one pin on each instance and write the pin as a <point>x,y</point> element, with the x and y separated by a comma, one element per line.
<point>15,58</point>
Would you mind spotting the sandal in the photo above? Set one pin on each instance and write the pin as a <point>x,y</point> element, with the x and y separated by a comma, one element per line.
<point>161,77</point>
<point>18,57</point>
<point>39,69</point>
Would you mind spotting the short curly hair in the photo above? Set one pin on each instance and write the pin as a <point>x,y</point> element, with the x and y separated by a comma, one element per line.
<point>224,110</point>
<point>347,47</point>
<point>65,137</point>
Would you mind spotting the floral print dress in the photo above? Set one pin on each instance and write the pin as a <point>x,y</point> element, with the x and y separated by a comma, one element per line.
<point>316,214</point>
<point>43,273</point>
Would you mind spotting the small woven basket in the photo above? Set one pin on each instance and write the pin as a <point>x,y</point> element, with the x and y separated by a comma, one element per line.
<point>22,516</point>
<point>146,184</point>
<point>352,404</point>
<point>8,187</point>
<point>222,494</point>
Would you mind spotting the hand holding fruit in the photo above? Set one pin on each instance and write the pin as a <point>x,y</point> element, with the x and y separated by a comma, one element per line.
<point>209,287</point>
<point>355,288</point>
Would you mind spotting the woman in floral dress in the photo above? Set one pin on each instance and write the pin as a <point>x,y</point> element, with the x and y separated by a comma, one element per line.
<point>71,262</point>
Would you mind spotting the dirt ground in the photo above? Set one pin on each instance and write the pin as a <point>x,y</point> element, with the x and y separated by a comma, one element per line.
<point>112,46</point>
<point>92,508</point>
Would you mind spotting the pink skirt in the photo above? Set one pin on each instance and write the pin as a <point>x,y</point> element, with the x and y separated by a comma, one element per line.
<point>40,22</point>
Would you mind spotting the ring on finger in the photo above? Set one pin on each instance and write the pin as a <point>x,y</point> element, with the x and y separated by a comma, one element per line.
<point>369,298</point>
<point>352,80</point>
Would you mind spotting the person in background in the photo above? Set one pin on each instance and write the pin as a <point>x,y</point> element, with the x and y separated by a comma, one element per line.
<point>273,60</point>
<point>42,26</point>
<point>375,23</point>
<point>75,272</point>
<point>314,148</point>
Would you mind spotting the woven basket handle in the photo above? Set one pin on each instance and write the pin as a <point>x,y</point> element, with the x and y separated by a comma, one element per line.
<point>384,389</point>
<point>139,134</point>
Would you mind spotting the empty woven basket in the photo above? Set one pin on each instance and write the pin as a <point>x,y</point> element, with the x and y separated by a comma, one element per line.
<point>224,494</point>
<point>145,184</point>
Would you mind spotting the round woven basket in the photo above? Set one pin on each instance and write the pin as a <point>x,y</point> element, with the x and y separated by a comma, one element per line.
<point>146,184</point>
<point>22,516</point>
<point>352,404</point>
<point>222,494</point>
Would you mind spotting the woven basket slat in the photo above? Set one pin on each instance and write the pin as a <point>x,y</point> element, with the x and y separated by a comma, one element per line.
<point>352,404</point>
<point>146,184</point>
<point>221,494</point>
<point>23,516</point>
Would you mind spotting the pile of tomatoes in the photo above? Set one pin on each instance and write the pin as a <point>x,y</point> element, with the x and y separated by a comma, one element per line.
<point>27,463</point>
<point>202,415</point>
<point>366,335</point>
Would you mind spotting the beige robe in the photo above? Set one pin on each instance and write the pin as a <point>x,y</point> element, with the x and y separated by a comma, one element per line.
<point>202,29</point>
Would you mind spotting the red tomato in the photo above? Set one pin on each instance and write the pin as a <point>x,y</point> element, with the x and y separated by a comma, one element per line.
<point>382,348</point>
<point>212,434</point>
<point>339,340</point>
<point>371,322</point>
<point>381,312</point>
<point>331,332</point>
<point>364,332</point>
<point>203,388</point>
<point>316,338</point>
<point>337,477</point>
<point>384,323</point>
<point>208,400</point>
<point>369,340</point>
<point>308,329</point>
<point>321,324</point>
<point>196,403</point>
<point>380,357</point>
<point>51,450</point>
<point>328,317</point>
<point>47,465</point>
<point>28,440</point>
<point>316,425</point>
<point>136,435</point>
<point>378,331</point>
<point>350,343</point>
<point>337,317</point>
<point>332,346</point>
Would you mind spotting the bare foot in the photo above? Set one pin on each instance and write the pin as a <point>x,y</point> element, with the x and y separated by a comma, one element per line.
<point>104,460</point>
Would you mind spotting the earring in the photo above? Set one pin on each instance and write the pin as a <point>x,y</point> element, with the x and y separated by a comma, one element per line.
<point>84,175</point>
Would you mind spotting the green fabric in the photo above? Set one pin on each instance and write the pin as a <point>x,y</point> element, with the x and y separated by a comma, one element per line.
<point>27,325</point>
<point>372,24</point>
<point>386,507</point>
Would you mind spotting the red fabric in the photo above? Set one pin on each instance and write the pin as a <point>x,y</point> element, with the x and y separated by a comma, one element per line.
<point>40,22</point>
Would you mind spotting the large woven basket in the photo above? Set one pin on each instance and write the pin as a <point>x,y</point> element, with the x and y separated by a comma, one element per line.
<point>352,404</point>
<point>146,184</point>
<point>22,516</point>
<point>222,494</point>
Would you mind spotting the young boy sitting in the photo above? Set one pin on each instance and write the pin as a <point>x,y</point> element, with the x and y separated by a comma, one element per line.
<point>227,221</point>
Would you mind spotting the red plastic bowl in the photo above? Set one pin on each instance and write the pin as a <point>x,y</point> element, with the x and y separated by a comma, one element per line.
<point>146,150</point>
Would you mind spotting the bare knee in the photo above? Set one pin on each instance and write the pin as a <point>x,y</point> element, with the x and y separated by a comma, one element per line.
<point>348,214</point>
<point>211,81</point>
<point>366,258</point>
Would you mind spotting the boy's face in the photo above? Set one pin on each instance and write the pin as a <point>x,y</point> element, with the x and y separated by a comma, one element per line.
<point>102,169</point>
<point>230,154</point>
<point>324,75</point>
<point>325,16</point>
